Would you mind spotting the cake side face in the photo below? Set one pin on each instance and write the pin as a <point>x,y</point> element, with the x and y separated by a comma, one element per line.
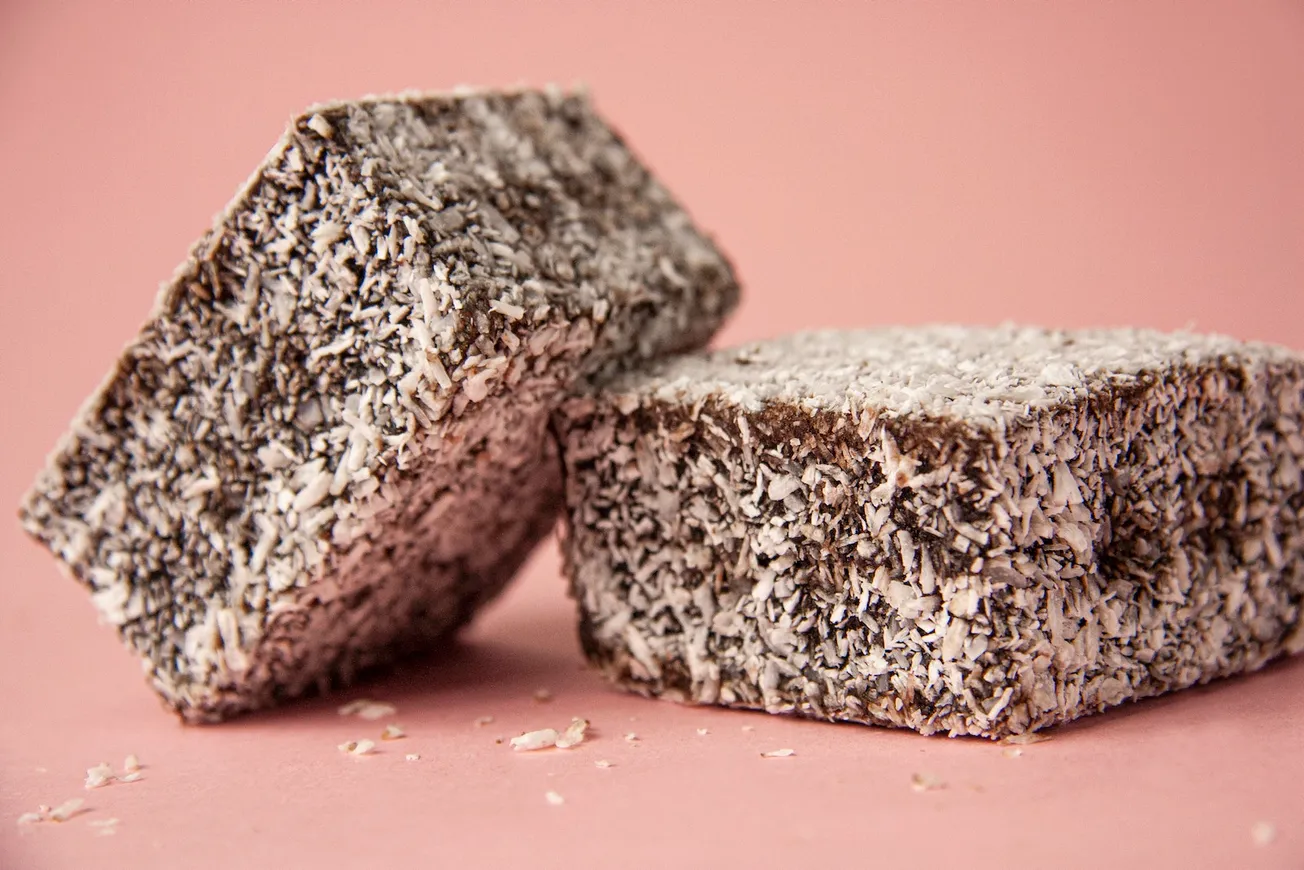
<point>987,569</point>
<point>328,445</point>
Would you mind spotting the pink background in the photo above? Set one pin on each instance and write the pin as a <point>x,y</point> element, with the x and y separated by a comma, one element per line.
<point>1066,163</point>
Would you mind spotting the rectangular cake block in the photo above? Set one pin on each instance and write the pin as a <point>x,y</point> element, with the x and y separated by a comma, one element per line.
<point>328,445</point>
<point>961,531</point>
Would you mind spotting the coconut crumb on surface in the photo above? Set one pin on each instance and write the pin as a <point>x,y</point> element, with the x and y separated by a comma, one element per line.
<point>554,799</point>
<point>779,753</point>
<point>1263,833</point>
<point>357,747</point>
<point>134,776</point>
<point>749,727</point>
<point>603,764</point>
<point>1011,752</point>
<point>107,827</point>
<point>99,775</point>
<point>702,732</point>
<point>574,733</point>
<point>132,763</point>
<point>1027,738</point>
<point>412,756</point>
<point>31,818</point>
<point>392,732</point>
<point>65,810</point>
<point>544,738</point>
<point>926,782</point>
<point>369,710</point>
<point>631,737</point>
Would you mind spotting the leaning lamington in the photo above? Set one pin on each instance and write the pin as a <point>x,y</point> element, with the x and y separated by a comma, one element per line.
<point>970,531</point>
<point>328,445</point>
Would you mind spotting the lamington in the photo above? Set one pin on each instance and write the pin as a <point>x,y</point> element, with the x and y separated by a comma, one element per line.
<point>328,445</point>
<point>970,531</point>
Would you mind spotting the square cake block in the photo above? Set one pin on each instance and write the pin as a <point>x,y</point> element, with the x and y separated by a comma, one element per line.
<point>961,531</point>
<point>328,445</point>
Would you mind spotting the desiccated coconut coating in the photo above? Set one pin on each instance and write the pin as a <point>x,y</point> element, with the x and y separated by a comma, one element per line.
<point>328,445</point>
<point>969,531</point>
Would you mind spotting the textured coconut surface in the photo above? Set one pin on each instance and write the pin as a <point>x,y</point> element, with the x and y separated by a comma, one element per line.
<point>327,446</point>
<point>1069,163</point>
<point>979,531</point>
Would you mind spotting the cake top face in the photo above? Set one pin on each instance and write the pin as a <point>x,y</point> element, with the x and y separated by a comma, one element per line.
<point>970,374</point>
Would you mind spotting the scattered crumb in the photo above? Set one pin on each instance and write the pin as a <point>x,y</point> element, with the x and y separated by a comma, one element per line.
<point>603,764</point>
<point>749,727</point>
<point>1025,739</point>
<point>392,732</point>
<point>1011,752</point>
<point>482,721</point>
<point>544,738</point>
<point>99,775</point>
<point>30,818</point>
<point>925,782</point>
<point>412,756</point>
<point>543,696</point>
<point>574,734</point>
<point>107,827</point>
<point>702,732</point>
<point>134,776</point>
<point>358,747</point>
<point>65,810</point>
<point>132,763</point>
<point>779,753</point>
<point>631,737</point>
<point>1263,833</point>
<point>367,709</point>
<point>553,798</point>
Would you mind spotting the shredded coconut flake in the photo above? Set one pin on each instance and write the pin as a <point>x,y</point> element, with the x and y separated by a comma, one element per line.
<point>412,756</point>
<point>702,732</point>
<point>574,734</point>
<point>1263,833</point>
<point>131,764</point>
<point>1011,752</point>
<point>1026,738</point>
<point>358,747</point>
<point>369,710</point>
<point>99,775</point>
<point>30,818</point>
<point>65,810</point>
<point>925,782</point>
<point>631,737</point>
<point>554,799</point>
<point>392,732</point>
<point>603,764</point>
<point>779,753</point>
<point>544,738</point>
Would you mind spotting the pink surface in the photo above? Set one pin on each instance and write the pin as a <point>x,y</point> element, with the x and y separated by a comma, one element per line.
<point>1065,163</point>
